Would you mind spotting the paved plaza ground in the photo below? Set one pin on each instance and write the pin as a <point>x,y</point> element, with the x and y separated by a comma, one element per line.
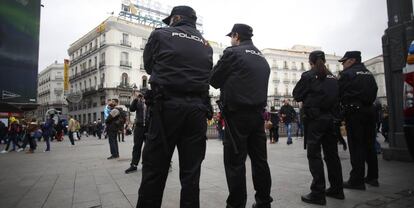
<point>82,177</point>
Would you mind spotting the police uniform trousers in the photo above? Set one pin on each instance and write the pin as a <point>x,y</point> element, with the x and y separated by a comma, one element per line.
<point>249,136</point>
<point>320,136</point>
<point>361,133</point>
<point>185,125</point>
<point>139,137</point>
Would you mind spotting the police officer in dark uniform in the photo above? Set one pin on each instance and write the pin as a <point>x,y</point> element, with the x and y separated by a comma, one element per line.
<point>138,107</point>
<point>242,75</point>
<point>358,91</point>
<point>179,61</point>
<point>318,90</point>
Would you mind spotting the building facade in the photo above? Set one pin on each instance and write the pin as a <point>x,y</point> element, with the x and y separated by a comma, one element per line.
<point>287,67</point>
<point>107,63</point>
<point>50,90</point>
<point>376,67</point>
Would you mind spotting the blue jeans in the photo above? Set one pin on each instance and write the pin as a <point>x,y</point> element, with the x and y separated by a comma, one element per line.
<point>289,132</point>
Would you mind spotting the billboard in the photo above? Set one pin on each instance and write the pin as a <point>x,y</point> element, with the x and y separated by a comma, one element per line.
<point>19,50</point>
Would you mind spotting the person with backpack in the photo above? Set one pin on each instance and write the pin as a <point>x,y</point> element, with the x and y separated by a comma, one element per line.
<point>114,122</point>
<point>13,132</point>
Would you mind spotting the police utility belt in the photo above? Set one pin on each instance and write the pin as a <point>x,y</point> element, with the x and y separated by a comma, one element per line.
<point>354,107</point>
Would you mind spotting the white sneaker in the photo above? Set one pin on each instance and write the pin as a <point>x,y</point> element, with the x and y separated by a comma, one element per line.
<point>19,150</point>
<point>3,151</point>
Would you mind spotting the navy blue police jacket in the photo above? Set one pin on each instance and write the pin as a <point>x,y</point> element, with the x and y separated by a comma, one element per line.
<point>179,58</point>
<point>242,74</point>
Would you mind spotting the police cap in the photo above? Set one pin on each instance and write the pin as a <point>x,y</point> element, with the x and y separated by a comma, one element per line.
<point>315,55</point>
<point>181,10</point>
<point>242,29</point>
<point>351,54</point>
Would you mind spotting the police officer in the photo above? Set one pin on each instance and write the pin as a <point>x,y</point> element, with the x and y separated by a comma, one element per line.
<point>318,90</point>
<point>242,75</point>
<point>179,61</point>
<point>137,106</point>
<point>358,91</point>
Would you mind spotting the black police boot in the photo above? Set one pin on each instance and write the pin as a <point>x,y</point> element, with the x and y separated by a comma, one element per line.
<point>335,194</point>
<point>348,185</point>
<point>312,199</point>
<point>110,158</point>
<point>372,182</point>
<point>131,169</point>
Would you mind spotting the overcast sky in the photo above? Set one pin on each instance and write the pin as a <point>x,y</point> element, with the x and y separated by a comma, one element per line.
<point>334,25</point>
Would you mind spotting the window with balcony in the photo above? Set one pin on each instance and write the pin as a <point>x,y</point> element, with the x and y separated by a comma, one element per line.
<point>125,40</point>
<point>103,39</point>
<point>302,66</point>
<point>125,59</point>
<point>285,65</point>
<point>102,60</point>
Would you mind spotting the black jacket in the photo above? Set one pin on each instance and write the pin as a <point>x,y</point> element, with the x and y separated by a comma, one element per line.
<point>317,95</point>
<point>290,113</point>
<point>178,58</point>
<point>357,86</point>
<point>242,74</point>
<point>137,106</point>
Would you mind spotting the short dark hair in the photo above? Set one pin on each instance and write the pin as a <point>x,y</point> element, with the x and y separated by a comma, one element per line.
<point>116,100</point>
<point>241,37</point>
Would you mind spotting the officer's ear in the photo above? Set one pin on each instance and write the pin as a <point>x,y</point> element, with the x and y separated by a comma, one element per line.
<point>235,35</point>
<point>175,19</point>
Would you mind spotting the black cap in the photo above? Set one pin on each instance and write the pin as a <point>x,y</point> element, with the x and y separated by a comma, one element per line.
<point>351,54</point>
<point>314,55</point>
<point>242,29</point>
<point>181,10</point>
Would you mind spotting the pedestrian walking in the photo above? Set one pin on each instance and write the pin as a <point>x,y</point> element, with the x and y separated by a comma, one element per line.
<point>358,91</point>
<point>288,114</point>
<point>32,133</point>
<point>242,74</point>
<point>48,131</point>
<point>99,128</point>
<point>274,131</point>
<point>179,61</point>
<point>318,90</point>
<point>72,130</point>
<point>13,132</point>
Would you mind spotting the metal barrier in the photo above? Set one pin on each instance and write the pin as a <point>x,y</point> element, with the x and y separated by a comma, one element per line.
<point>213,134</point>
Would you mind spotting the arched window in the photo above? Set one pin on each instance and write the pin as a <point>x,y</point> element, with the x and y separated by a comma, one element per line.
<point>124,79</point>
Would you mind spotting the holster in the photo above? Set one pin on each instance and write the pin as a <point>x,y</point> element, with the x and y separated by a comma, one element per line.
<point>154,101</point>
